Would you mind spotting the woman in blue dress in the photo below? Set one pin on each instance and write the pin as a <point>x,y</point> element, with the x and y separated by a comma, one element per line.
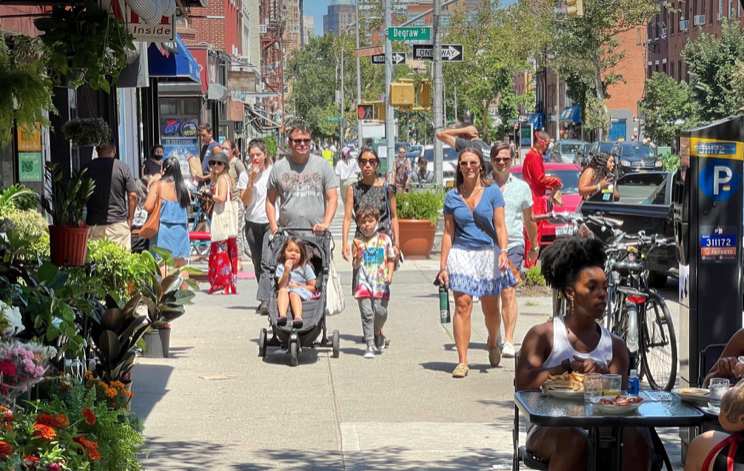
<point>173,232</point>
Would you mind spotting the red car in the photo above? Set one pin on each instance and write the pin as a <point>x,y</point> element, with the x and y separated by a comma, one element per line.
<point>569,175</point>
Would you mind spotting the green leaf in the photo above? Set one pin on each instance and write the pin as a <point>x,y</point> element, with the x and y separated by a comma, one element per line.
<point>47,272</point>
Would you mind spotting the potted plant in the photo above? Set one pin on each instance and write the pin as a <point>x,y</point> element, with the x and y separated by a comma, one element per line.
<point>86,132</point>
<point>85,45</point>
<point>67,241</point>
<point>418,213</point>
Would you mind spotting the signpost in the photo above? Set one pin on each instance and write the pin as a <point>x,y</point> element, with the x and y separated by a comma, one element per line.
<point>369,51</point>
<point>399,58</point>
<point>334,118</point>
<point>409,34</point>
<point>450,52</point>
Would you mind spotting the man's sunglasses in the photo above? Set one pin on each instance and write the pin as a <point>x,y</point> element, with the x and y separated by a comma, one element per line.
<point>301,141</point>
<point>501,159</point>
<point>364,162</point>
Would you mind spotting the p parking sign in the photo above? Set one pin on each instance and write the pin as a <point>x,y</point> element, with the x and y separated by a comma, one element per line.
<point>718,180</point>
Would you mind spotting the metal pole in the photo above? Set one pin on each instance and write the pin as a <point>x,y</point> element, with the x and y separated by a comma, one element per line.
<point>557,107</point>
<point>341,123</point>
<point>455,103</point>
<point>438,86</point>
<point>359,81</point>
<point>389,117</point>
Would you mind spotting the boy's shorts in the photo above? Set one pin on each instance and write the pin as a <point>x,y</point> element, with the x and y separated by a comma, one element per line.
<point>516,256</point>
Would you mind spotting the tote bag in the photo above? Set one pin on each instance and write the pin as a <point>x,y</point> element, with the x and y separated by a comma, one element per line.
<point>334,295</point>
<point>152,225</point>
<point>224,218</point>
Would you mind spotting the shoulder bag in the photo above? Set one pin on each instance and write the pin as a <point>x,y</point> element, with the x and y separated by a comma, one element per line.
<point>334,293</point>
<point>224,218</point>
<point>152,225</point>
<point>390,225</point>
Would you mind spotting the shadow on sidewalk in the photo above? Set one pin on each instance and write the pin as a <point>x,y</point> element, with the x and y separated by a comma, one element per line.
<point>192,455</point>
<point>448,367</point>
<point>148,386</point>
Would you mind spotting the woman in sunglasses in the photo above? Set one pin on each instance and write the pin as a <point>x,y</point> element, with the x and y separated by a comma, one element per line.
<point>474,253</point>
<point>370,191</point>
<point>223,255</point>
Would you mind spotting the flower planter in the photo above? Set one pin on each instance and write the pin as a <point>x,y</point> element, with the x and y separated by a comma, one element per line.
<point>165,333</point>
<point>153,345</point>
<point>416,238</point>
<point>73,79</point>
<point>68,245</point>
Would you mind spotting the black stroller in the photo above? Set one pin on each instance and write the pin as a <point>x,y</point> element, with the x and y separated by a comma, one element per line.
<point>313,310</point>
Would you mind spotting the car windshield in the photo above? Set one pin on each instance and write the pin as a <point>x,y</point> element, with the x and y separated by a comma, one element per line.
<point>639,188</point>
<point>606,146</point>
<point>449,154</point>
<point>636,150</point>
<point>570,148</point>
<point>569,178</point>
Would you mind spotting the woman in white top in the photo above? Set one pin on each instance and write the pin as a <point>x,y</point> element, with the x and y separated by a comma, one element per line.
<point>253,194</point>
<point>575,343</point>
<point>347,170</point>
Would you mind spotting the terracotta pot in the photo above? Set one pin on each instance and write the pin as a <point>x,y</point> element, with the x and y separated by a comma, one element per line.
<point>416,238</point>
<point>68,245</point>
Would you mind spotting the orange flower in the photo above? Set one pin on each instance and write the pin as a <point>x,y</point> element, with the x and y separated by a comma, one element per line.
<point>111,392</point>
<point>88,375</point>
<point>30,458</point>
<point>5,450</point>
<point>62,421</point>
<point>8,427</point>
<point>127,393</point>
<point>89,416</point>
<point>44,432</point>
<point>53,421</point>
<point>117,384</point>
<point>6,415</point>
<point>93,455</point>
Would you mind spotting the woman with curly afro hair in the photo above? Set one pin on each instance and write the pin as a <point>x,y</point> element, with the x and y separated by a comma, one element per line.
<point>576,343</point>
<point>599,174</point>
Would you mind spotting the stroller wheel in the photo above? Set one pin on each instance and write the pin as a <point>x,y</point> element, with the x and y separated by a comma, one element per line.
<point>336,343</point>
<point>262,343</point>
<point>294,355</point>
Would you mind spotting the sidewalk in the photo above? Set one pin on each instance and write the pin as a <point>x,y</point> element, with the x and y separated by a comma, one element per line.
<point>217,405</point>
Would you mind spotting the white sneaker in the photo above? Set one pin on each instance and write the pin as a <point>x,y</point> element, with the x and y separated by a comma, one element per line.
<point>508,350</point>
<point>370,352</point>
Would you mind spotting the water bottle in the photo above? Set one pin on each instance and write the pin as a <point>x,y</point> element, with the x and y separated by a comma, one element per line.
<point>634,383</point>
<point>444,306</point>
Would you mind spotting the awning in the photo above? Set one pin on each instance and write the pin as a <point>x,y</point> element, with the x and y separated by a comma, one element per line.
<point>537,120</point>
<point>571,113</point>
<point>179,65</point>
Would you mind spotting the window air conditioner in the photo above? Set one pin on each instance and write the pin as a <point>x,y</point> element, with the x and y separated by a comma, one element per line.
<point>698,20</point>
<point>262,29</point>
<point>684,25</point>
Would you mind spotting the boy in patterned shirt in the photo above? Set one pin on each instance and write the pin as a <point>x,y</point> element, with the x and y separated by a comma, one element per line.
<point>374,261</point>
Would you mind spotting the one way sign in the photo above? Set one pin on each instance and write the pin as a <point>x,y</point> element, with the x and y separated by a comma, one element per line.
<point>450,52</point>
<point>398,58</point>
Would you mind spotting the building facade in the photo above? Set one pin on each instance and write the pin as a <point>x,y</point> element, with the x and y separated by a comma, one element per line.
<point>341,13</point>
<point>309,27</point>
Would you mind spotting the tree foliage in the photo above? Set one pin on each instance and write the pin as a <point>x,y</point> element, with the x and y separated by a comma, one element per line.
<point>664,103</point>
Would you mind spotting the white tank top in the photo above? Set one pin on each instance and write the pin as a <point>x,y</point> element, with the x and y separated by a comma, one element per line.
<point>562,348</point>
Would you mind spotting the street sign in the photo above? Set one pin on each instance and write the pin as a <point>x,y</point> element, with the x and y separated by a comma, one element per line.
<point>398,58</point>
<point>369,51</point>
<point>450,52</point>
<point>409,34</point>
<point>334,118</point>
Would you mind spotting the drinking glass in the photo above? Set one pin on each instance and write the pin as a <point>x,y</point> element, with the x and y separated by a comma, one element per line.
<point>592,386</point>
<point>718,387</point>
<point>611,385</point>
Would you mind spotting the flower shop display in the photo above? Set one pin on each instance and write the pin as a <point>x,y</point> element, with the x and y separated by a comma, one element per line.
<point>11,322</point>
<point>21,365</point>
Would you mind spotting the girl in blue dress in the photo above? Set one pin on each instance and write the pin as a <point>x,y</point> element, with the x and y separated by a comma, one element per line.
<point>296,281</point>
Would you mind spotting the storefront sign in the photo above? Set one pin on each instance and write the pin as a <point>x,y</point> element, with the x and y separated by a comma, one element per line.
<point>29,141</point>
<point>143,32</point>
<point>170,128</point>
<point>29,167</point>
<point>182,148</point>
<point>189,129</point>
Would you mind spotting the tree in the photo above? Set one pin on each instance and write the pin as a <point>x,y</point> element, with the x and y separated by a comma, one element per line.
<point>665,104</point>
<point>712,64</point>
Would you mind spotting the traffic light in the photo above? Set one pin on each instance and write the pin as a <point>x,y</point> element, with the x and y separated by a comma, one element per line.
<point>365,111</point>
<point>424,98</point>
<point>381,111</point>
<point>401,94</point>
<point>575,8</point>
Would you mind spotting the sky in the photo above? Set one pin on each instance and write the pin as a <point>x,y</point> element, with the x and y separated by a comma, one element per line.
<point>317,8</point>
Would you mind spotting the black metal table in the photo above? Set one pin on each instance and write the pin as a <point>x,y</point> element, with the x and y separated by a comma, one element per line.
<point>554,412</point>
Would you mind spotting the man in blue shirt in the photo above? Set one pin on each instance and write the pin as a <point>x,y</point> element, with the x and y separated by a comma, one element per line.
<point>209,148</point>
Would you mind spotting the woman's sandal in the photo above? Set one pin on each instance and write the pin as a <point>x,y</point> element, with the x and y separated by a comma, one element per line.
<point>461,371</point>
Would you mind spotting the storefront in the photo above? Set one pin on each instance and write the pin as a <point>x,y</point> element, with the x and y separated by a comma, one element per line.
<point>570,121</point>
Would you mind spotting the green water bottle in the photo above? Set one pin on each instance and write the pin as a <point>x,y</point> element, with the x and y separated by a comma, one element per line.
<point>444,306</point>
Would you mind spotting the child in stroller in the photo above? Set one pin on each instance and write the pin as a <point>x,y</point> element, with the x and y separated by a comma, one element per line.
<point>296,281</point>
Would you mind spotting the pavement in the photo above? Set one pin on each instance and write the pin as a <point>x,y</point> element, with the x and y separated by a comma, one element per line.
<point>215,404</point>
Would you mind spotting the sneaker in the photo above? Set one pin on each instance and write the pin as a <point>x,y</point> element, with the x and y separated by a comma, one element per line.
<point>380,342</point>
<point>370,352</point>
<point>508,351</point>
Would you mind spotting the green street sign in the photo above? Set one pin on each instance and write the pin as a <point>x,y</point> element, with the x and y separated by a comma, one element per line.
<point>334,118</point>
<point>409,34</point>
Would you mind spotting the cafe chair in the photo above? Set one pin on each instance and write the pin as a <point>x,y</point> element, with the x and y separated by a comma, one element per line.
<point>707,360</point>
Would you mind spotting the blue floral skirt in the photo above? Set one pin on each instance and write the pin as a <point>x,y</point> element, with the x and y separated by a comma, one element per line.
<point>476,272</point>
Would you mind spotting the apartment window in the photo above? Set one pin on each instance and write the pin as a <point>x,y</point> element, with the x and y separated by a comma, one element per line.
<point>650,33</point>
<point>711,11</point>
<point>679,70</point>
<point>671,70</point>
<point>671,22</point>
<point>728,12</point>
<point>664,68</point>
<point>694,9</point>
<point>738,14</point>
<point>650,71</point>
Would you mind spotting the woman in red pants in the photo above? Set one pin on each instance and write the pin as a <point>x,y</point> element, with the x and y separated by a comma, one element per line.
<point>223,255</point>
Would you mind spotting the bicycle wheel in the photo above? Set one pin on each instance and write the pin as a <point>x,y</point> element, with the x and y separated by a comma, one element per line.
<point>658,344</point>
<point>623,313</point>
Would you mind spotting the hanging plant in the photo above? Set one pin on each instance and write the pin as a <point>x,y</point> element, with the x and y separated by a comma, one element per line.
<point>85,37</point>
<point>26,97</point>
<point>86,132</point>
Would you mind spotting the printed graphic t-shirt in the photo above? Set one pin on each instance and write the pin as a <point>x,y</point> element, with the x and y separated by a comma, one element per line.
<point>301,190</point>
<point>378,252</point>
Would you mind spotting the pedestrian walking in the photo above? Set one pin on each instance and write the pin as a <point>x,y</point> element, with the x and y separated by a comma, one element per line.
<point>236,170</point>
<point>422,175</point>
<point>373,259</point>
<point>112,205</point>
<point>139,244</point>
<point>600,174</point>
<point>533,172</point>
<point>209,148</point>
<point>461,136</point>
<point>174,197</point>
<point>154,164</point>
<point>223,255</point>
<point>518,218</point>
<point>254,198</point>
<point>402,170</point>
<point>296,281</point>
<point>347,171</point>
<point>471,263</point>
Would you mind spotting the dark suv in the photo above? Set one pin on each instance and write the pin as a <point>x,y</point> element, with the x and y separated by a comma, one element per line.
<point>635,157</point>
<point>586,156</point>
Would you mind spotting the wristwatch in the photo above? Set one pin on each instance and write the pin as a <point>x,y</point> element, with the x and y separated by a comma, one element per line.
<point>566,364</point>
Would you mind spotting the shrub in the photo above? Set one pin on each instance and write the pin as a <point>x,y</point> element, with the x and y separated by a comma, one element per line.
<point>671,162</point>
<point>117,270</point>
<point>533,277</point>
<point>420,205</point>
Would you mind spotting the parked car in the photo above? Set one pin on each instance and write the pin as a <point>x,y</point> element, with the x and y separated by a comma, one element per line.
<point>588,153</point>
<point>635,157</point>
<point>565,151</point>
<point>569,175</point>
<point>645,204</point>
<point>449,166</point>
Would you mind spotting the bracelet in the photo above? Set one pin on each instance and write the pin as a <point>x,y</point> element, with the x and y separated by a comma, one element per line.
<point>534,249</point>
<point>442,269</point>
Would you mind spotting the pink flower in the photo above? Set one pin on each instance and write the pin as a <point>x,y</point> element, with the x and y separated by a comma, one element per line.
<point>53,467</point>
<point>39,372</point>
<point>29,365</point>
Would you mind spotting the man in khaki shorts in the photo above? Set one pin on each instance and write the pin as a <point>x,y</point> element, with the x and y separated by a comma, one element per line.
<point>114,200</point>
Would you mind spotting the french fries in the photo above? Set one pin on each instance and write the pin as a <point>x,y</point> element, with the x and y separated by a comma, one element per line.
<point>577,377</point>
<point>564,382</point>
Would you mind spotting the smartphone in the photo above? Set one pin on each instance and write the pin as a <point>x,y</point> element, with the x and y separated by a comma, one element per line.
<point>610,176</point>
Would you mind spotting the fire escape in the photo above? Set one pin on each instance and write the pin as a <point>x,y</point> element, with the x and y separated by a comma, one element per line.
<point>272,48</point>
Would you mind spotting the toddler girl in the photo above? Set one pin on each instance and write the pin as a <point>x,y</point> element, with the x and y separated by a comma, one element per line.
<point>296,281</point>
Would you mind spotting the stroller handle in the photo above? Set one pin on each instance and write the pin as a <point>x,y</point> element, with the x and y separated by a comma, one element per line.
<point>298,229</point>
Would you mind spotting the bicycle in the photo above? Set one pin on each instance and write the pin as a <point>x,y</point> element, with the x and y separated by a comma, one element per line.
<point>203,203</point>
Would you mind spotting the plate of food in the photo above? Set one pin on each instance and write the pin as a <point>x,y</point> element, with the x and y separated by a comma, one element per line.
<point>617,404</point>
<point>565,386</point>
<point>698,396</point>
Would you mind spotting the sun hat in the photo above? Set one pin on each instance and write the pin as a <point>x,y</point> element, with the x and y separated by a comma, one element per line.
<point>219,157</point>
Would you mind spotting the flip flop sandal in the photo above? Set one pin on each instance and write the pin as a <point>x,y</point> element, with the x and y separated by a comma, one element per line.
<point>282,321</point>
<point>461,371</point>
<point>297,323</point>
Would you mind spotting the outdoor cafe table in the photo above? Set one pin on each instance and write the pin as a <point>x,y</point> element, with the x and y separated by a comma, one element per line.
<point>554,412</point>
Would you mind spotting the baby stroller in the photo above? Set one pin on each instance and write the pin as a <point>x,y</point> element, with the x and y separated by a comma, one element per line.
<point>313,310</point>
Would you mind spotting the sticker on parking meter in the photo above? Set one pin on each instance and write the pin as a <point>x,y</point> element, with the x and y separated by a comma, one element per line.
<point>717,245</point>
<point>719,181</point>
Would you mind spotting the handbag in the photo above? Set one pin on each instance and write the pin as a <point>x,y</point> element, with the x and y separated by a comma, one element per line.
<point>400,260</point>
<point>334,294</point>
<point>224,218</point>
<point>152,225</point>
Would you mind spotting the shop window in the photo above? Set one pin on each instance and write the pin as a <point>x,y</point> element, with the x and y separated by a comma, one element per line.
<point>168,106</point>
<point>190,106</point>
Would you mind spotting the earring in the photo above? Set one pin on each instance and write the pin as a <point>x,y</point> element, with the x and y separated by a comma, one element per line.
<point>573,308</point>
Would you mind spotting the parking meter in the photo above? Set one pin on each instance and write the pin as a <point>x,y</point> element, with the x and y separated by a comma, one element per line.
<point>708,212</point>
